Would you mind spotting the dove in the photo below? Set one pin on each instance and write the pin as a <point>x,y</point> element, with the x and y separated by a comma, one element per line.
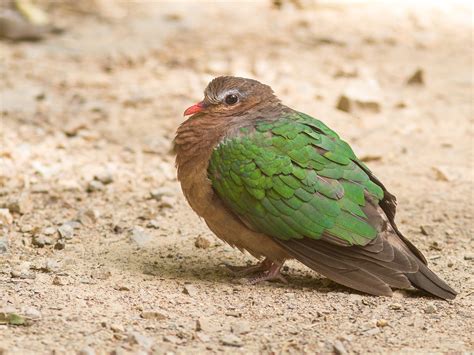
<point>281,185</point>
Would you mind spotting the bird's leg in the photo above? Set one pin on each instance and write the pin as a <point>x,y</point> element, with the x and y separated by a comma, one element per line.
<point>241,271</point>
<point>272,272</point>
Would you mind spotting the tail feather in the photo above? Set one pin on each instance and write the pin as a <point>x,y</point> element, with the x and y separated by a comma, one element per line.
<point>427,280</point>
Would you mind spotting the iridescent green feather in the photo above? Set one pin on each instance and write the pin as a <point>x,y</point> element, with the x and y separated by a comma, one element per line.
<point>294,178</point>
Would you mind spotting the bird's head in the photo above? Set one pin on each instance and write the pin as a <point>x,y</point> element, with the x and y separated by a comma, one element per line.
<point>232,96</point>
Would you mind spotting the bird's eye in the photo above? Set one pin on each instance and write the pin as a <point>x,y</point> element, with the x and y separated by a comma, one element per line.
<point>231,99</point>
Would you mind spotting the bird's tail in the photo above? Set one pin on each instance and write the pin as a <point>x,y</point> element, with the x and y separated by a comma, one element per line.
<point>428,281</point>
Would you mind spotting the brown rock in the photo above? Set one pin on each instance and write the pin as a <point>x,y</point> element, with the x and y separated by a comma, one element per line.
<point>417,78</point>
<point>202,243</point>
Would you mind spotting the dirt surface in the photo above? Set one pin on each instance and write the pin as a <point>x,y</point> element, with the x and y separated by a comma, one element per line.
<point>85,146</point>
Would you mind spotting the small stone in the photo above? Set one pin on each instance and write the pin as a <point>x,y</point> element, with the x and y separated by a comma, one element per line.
<point>117,328</point>
<point>87,216</point>
<point>40,241</point>
<point>430,309</point>
<point>362,94</point>
<point>167,202</point>
<point>203,337</point>
<point>417,78</point>
<point>372,331</point>
<point>49,230</point>
<point>140,339</point>
<point>171,339</point>
<point>343,104</point>
<point>190,290</point>
<point>94,186</point>
<point>231,340</point>
<point>23,271</point>
<point>66,231</point>
<point>395,306</point>
<point>436,246</point>
<point>208,325</point>
<point>427,230</point>
<point>5,217</point>
<point>21,204</point>
<point>87,350</point>
<point>26,228</point>
<point>469,257</point>
<point>381,323</point>
<point>49,265</point>
<point>346,73</point>
<point>101,274</point>
<point>160,192</point>
<point>153,315</point>
<point>104,178</point>
<point>442,174</point>
<point>339,348</point>
<point>140,237</point>
<point>242,327</point>
<point>202,243</point>
<point>31,313</point>
<point>153,224</point>
<point>58,281</point>
<point>60,244</point>
<point>3,245</point>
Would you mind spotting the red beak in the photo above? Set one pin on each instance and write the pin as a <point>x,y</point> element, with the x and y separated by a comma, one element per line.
<point>194,109</point>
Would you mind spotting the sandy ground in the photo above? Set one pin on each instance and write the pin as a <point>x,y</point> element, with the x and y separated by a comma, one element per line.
<point>85,146</point>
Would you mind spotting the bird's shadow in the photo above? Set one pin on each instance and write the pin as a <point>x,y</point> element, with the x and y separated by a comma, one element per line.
<point>206,267</point>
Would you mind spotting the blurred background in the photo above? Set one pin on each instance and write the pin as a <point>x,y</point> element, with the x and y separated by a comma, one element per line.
<point>97,243</point>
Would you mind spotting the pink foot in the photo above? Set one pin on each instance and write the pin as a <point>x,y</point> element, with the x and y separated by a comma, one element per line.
<point>271,273</point>
<point>240,271</point>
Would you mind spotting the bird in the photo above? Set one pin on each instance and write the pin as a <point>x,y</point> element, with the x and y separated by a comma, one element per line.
<point>281,185</point>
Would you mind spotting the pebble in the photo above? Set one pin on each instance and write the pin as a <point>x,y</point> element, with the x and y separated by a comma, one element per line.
<point>26,228</point>
<point>31,313</point>
<point>58,281</point>
<point>49,230</point>
<point>363,94</point>
<point>208,325</point>
<point>153,315</point>
<point>427,229</point>
<point>21,204</point>
<point>139,236</point>
<point>5,217</point>
<point>339,348</point>
<point>60,244</point>
<point>94,186</point>
<point>430,309</point>
<point>40,241</point>
<point>153,224</point>
<point>231,340</point>
<point>117,328</point>
<point>203,337</point>
<point>242,327</point>
<point>87,216</point>
<point>3,245</point>
<point>202,243</point>
<point>23,271</point>
<point>66,231</point>
<point>395,306</point>
<point>417,78</point>
<point>140,339</point>
<point>190,290</point>
<point>469,257</point>
<point>382,323</point>
<point>87,350</point>
<point>372,331</point>
<point>104,178</point>
<point>160,192</point>
<point>171,339</point>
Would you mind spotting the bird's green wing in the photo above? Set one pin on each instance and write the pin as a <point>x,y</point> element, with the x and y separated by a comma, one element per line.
<point>295,178</point>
